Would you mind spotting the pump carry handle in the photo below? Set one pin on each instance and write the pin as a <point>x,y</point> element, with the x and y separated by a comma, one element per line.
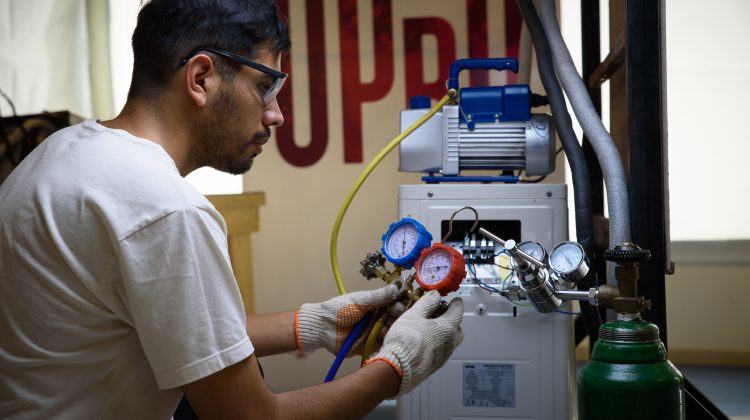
<point>481,64</point>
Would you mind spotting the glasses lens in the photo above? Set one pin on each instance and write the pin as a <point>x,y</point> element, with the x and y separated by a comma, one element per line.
<point>276,86</point>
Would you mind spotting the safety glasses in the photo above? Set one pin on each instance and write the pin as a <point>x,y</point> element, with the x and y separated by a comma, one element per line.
<point>279,77</point>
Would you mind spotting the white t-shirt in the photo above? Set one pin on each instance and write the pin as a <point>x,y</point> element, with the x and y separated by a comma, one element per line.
<point>115,281</point>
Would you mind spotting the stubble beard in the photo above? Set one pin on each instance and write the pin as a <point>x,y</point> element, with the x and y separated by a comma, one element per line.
<point>222,149</point>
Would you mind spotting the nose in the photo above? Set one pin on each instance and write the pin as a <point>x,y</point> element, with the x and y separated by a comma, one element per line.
<point>272,116</point>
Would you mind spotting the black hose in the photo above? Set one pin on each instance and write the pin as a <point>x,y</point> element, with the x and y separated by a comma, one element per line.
<point>574,153</point>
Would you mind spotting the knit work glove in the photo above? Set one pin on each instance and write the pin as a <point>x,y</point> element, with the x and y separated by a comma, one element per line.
<point>418,344</point>
<point>328,324</point>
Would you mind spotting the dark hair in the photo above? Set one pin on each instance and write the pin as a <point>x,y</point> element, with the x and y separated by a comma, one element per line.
<point>168,30</point>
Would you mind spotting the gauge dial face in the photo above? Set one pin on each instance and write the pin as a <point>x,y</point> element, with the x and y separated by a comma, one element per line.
<point>402,240</point>
<point>535,249</point>
<point>566,257</point>
<point>440,268</point>
<point>435,266</point>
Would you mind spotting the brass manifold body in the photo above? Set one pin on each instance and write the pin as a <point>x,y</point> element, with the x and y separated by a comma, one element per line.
<point>373,266</point>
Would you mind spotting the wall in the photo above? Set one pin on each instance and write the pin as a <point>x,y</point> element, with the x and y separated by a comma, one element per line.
<point>707,318</point>
<point>707,66</point>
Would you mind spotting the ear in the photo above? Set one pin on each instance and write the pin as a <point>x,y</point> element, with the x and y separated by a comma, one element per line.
<point>201,79</point>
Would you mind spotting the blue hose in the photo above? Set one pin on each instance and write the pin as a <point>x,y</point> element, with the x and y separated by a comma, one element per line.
<point>348,343</point>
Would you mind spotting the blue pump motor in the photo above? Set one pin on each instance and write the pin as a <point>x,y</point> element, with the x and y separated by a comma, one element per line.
<point>490,128</point>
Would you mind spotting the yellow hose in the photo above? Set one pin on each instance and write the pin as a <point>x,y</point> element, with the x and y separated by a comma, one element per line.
<point>372,338</point>
<point>366,172</point>
<point>375,331</point>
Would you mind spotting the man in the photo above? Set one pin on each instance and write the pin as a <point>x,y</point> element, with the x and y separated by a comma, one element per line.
<point>117,296</point>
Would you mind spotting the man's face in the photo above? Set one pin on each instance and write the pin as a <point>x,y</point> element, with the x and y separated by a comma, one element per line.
<point>236,125</point>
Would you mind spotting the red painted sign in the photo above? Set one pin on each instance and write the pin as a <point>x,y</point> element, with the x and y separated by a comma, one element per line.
<point>355,92</point>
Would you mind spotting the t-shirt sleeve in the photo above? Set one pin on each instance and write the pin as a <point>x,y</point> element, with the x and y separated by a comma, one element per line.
<point>180,291</point>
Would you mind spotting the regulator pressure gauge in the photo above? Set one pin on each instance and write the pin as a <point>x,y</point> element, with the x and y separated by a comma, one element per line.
<point>404,241</point>
<point>535,249</point>
<point>568,260</point>
<point>441,268</point>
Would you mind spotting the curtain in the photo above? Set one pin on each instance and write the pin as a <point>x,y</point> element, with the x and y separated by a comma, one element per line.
<point>44,56</point>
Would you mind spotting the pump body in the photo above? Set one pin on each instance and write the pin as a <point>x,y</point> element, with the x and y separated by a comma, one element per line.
<point>446,145</point>
<point>489,128</point>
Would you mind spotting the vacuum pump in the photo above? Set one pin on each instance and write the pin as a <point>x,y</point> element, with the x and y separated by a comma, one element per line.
<point>489,128</point>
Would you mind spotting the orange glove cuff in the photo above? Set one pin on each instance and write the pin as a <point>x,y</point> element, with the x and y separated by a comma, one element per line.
<point>296,332</point>
<point>393,365</point>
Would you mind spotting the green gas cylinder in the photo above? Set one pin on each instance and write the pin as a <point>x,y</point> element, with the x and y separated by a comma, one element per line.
<point>629,376</point>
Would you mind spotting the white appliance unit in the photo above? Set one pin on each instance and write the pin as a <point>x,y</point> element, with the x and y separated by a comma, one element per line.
<point>514,362</point>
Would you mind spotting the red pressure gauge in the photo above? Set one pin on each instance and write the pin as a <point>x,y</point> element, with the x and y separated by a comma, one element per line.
<point>441,268</point>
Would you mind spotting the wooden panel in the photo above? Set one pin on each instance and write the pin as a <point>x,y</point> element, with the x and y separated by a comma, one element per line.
<point>709,357</point>
<point>618,102</point>
<point>240,252</point>
<point>240,211</point>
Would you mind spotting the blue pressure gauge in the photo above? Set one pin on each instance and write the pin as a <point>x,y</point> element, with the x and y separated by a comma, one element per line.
<point>404,241</point>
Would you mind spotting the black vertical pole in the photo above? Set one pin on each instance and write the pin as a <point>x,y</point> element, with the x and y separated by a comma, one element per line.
<point>647,152</point>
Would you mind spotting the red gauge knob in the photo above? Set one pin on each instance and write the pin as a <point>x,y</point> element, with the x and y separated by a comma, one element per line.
<point>441,268</point>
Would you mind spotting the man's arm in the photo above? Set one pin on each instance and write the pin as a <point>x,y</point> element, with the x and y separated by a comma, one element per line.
<point>272,333</point>
<point>417,344</point>
<point>238,392</point>
<point>315,325</point>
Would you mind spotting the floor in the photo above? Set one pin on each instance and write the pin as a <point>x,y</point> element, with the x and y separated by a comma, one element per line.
<point>727,387</point>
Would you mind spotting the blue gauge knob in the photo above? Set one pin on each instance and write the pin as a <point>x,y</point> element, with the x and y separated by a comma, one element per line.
<point>404,241</point>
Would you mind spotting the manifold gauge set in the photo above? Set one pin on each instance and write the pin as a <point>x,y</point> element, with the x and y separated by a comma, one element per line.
<point>539,277</point>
